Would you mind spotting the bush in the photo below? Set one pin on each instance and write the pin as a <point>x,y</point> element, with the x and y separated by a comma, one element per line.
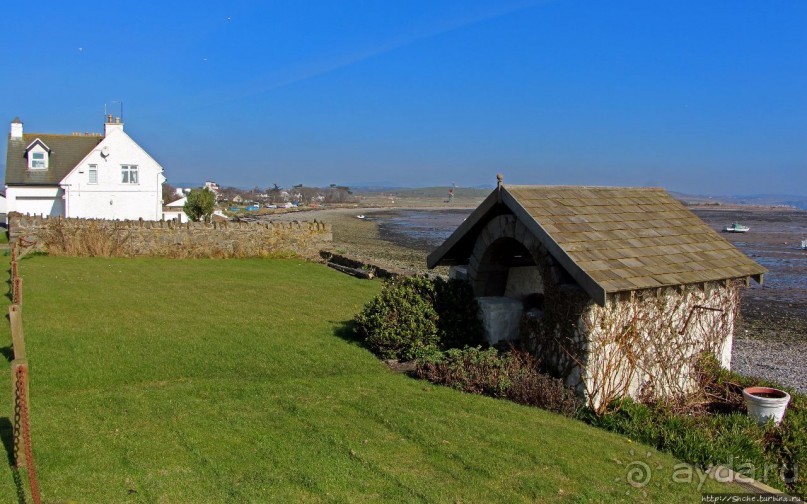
<point>414,316</point>
<point>400,322</point>
<point>457,310</point>
<point>513,375</point>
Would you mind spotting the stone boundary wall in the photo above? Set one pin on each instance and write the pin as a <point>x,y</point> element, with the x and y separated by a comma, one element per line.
<point>106,238</point>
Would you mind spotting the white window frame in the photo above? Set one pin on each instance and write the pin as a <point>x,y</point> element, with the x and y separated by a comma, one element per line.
<point>38,164</point>
<point>129,175</point>
<point>92,173</point>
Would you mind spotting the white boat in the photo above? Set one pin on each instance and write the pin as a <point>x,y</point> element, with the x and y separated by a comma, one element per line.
<point>804,244</point>
<point>737,228</point>
<point>360,216</point>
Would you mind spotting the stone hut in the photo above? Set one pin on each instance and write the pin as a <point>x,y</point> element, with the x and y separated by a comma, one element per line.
<point>616,290</point>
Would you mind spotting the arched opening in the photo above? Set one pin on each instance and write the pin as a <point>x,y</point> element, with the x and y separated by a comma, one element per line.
<point>507,283</point>
<point>508,269</point>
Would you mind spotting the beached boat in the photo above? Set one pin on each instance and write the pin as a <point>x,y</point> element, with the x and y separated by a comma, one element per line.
<point>360,216</point>
<point>737,228</point>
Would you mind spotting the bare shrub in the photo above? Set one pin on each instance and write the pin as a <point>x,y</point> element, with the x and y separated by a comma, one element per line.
<point>91,240</point>
<point>641,343</point>
<point>512,375</point>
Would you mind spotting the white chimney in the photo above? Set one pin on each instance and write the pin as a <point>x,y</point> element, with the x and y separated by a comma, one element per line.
<point>16,128</point>
<point>112,124</point>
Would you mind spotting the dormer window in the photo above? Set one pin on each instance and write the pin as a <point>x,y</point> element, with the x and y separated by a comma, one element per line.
<point>38,160</point>
<point>38,154</point>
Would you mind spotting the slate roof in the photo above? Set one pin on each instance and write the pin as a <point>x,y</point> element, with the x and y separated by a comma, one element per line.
<point>66,151</point>
<point>612,239</point>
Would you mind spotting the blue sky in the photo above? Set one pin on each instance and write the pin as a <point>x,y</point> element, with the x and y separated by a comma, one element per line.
<point>704,97</point>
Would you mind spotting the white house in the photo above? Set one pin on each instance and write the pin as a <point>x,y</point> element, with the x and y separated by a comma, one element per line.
<point>84,175</point>
<point>176,210</point>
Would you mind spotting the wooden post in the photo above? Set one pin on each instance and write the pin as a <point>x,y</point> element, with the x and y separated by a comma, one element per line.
<point>19,448</point>
<point>17,336</point>
<point>15,272</point>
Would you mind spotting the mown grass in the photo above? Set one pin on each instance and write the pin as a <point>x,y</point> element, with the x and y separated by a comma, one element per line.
<point>236,381</point>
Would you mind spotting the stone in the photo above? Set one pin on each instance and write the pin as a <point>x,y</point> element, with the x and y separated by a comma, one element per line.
<point>500,318</point>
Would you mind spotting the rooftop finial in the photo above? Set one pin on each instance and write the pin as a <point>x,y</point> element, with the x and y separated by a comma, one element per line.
<point>499,179</point>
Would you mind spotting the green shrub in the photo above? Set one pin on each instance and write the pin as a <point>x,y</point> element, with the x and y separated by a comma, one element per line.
<point>729,438</point>
<point>399,323</point>
<point>457,310</point>
<point>512,375</point>
<point>416,315</point>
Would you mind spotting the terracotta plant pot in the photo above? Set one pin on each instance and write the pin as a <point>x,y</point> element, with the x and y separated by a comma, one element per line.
<point>765,403</point>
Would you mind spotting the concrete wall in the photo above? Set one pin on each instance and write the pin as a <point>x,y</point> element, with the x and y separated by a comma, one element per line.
<point>87,237</point>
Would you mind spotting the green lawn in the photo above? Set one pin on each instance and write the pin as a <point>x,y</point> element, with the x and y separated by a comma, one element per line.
<point>233,381</point>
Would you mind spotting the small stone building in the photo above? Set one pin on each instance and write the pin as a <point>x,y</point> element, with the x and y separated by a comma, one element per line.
<point>616,290</point>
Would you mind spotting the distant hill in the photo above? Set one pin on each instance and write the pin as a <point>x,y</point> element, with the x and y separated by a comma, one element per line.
<point>750,199</point>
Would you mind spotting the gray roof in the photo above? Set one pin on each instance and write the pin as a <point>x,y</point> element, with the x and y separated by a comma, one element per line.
<point>66,151</point>
<point>610,239</point>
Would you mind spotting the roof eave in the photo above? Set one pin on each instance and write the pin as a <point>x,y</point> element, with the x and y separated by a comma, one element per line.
<point>437,257</point>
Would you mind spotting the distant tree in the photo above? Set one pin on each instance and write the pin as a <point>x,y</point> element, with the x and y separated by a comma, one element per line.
<point>169,193</point>
<point>200,204</point>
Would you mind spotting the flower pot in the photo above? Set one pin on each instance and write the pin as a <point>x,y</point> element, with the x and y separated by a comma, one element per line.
<point>765,403</point>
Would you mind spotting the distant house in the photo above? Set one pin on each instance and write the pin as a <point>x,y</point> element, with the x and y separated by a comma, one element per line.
<point>85,175</point>
<point>176,210</point>
<point>616,290</point>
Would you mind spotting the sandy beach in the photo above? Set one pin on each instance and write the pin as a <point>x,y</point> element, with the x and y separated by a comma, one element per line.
<point>771,335</point>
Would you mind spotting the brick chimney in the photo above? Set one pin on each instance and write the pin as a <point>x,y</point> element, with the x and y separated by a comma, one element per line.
<point>112,124</point>
<point>16,128</point>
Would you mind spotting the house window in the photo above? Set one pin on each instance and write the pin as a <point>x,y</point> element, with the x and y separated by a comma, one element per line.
<point>129,174</point>
<point>93,174</point>
<point>38,160</point>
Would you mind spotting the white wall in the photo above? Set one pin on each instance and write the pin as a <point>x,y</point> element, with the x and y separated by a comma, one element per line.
<point>175,213</point>
<point>32,200</point>
<point>110,198</point>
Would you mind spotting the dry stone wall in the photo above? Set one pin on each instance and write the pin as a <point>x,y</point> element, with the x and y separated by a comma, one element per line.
<point>90,237</point>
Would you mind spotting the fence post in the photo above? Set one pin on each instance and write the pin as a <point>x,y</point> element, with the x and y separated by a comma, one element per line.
<point>14,270</point>
<point>17,335</point>
<point>19,449</point>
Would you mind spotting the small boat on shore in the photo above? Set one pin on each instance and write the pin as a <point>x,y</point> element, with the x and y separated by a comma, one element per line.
<point>360,216</point>
<point>737,228</point>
